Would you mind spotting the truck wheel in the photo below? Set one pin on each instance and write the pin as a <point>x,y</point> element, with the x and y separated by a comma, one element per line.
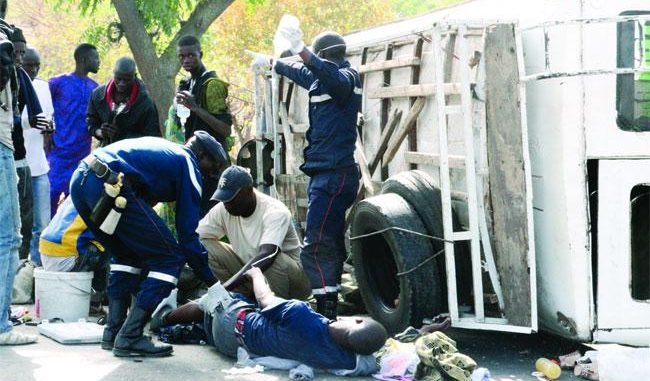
<point>419,190</point>
<point>394,301</point>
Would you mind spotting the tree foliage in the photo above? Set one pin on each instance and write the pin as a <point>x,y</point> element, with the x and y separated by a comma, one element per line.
<point>55,27</point>
<point>245,26</point>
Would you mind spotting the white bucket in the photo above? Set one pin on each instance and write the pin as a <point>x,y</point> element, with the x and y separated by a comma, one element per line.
<point>64,295</point>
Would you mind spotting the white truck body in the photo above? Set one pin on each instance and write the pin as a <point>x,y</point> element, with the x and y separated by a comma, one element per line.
<point>587,278</point>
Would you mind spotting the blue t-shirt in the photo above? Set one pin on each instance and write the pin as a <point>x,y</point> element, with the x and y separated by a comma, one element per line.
<point>70,97</point>
<point>292,330</point>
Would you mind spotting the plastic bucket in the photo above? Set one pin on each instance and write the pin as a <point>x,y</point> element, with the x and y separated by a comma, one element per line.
<point>64,295</point>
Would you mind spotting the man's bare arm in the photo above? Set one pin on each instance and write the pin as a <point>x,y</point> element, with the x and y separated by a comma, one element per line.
<point>261,288</point>
<point>264,259</point>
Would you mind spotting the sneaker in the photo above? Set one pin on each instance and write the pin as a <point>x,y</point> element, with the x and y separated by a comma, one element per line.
<point>586,371</point>
<point>16,338</point>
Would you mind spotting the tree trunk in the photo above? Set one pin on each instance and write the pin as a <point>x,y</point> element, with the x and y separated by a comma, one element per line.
<point>158,73</point>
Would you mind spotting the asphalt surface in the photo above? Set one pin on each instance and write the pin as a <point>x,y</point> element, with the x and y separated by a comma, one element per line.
<point>509,357</point>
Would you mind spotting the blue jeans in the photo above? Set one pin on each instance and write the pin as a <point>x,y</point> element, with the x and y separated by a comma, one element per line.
<point>9,232</point>
<point>41,192</point>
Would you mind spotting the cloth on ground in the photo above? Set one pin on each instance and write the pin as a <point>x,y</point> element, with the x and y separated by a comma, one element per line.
<point>301,373</point>
<point>297,371</point>
<point>430,357</point>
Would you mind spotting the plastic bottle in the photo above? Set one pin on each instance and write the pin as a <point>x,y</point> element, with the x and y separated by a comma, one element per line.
<point>280,44</point>
<point>548,368</point>
<point>105,203</point>
<point>182,113</point>
<point>113,217</point>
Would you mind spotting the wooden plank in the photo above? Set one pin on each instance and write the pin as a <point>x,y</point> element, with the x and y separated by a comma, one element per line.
<point>288,139</point>
<point>507,177</point>
<point>422,90</point>
<point>415,79</point>
<point>366,175</point>
<point>299,128</point>
<point>404,128</point>
<point>393,121</point>
<point>389,64</point>
<point>455,161</point>
<point>386,102</point>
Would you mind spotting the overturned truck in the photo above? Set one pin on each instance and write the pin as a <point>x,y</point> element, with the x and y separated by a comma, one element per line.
<point>505,156</point>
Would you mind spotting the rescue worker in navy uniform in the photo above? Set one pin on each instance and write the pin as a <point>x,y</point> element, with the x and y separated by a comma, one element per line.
<point>147,260</point>
<point>334,101</point>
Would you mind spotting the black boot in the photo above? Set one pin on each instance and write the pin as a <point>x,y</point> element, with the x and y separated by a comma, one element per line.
<point>130,342</point>
<point>117,309</point>
<point>326,304</point>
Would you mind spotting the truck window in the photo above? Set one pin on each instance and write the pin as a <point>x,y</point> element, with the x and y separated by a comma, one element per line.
<point>633,90</point>
<point>640,241</point>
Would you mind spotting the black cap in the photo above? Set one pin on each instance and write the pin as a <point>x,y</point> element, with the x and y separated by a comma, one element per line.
<point>232,180</point>
<point>212,147</point>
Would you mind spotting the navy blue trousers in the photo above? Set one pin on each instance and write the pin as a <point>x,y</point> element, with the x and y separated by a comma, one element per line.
<point>330,195</point>
<point>146,260</point>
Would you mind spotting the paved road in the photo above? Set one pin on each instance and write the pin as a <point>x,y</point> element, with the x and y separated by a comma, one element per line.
<point>509,357</point>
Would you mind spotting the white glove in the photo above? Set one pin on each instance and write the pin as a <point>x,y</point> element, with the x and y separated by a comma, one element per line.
<point>293,35</point>
<point>261,62</point>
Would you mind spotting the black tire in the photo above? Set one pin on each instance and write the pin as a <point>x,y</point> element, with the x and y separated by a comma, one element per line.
<point>394,301</point>
<point>419,190</point>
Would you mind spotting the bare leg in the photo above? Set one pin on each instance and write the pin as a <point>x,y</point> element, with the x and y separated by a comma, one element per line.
<point>185,314</point>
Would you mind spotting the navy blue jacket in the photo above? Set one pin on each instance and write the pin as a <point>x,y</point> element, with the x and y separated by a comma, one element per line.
<point>165,171</point>
<point>334,101</point>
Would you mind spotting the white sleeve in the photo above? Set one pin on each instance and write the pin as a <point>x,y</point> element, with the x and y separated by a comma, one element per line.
<point>24,120</point>
<point>44,97</point>
<point>212,226</point>
<point>275,225</point>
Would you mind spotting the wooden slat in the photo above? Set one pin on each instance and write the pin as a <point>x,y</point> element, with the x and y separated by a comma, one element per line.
<point>455,161</point>
<point>403,130</point>
<point>386,102</point>
<point>422,90</point>
<point>288,138</point>
<point>508,189</point>
<point>390,64</point>
<point>299,128</point>
<point>366,176</point>
<point>462,236</point>
<point>393,121</point>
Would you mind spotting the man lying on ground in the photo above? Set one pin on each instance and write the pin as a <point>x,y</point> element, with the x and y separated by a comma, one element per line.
<point>287,329</point>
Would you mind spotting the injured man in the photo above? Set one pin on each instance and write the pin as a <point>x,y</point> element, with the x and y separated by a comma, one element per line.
<point>286,329</point>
